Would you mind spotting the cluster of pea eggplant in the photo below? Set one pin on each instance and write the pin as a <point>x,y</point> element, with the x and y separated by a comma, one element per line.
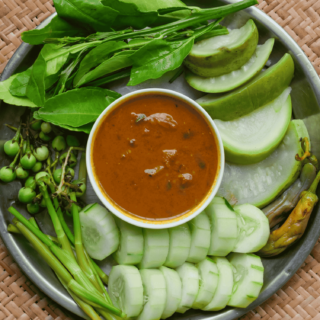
<point>32,162</point>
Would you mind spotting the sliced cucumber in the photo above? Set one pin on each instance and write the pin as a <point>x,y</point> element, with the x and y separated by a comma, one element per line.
<point>154,294</point>
<point>253,137</point>
<point>189,276</point>
<point>173,289</point>
<point>260,90</point>
<point>208,282</point>
<point>223,54</point>
<point>200,238</point>
<point>254,229</point>
<point>130,250</point>
<point>260,183</point>
<point>180,240</point>
<point>234,79</point>
<point>225,284</point>
<point>156,248</point>
<point>248,279</point>
<point>126,290</point>
<point>224,227</point>
<point>100,234</point>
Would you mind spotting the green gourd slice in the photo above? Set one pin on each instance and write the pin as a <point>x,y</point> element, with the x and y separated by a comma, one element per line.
<point>260,90</point>
<point>236,78</point>
<point>223,54</point>
<point>260,183</point>
<point>253,137</point>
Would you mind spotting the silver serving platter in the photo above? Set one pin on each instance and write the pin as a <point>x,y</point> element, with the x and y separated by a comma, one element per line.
<point>305,97</point>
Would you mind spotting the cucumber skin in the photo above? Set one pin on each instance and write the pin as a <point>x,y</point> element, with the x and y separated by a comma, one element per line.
<point>224,60</point>
<point>259,91</point>
<point>231,155</point>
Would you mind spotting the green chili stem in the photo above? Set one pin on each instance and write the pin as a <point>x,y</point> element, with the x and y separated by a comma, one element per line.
<point>82,174</point>
<point>315,183</point>
<point>11,127</point>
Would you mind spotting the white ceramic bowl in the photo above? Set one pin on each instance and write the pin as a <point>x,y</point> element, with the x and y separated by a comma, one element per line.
<point>139,221</point>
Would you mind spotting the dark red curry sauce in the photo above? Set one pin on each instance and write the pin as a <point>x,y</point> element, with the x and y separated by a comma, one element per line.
<point>155,156</point>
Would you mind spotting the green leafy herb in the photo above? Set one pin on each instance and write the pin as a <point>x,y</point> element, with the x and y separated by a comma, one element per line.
<point>141,116</point>
<point>90,14</point>
<point>57,28</point>
<point>75,108</point>
<point>117,62</point>
<point>18,86</point>
<point>36,85</point>
<point>7,97</point>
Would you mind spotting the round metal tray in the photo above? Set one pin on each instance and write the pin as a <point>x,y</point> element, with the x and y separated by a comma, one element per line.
<point>305,98</point>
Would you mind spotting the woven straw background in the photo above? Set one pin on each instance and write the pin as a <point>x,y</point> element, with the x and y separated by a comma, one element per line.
<point>298,299</point>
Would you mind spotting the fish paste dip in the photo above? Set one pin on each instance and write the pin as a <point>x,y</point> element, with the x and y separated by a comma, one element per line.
<point>155,156</point>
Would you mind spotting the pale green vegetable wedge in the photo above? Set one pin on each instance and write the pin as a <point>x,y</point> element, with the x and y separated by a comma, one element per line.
<point>260,183</point>
<point>236,78</point>
<point>260,90</point>
<point>126,290</point>
<point>253,137</point>
<point>248,279</point>
<point>225,284</point>
<point>223,54</point>
<point>224,227</point>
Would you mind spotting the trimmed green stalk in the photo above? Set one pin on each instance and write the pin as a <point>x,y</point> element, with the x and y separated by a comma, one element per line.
<point>55,220</point>
<point>33,221</point>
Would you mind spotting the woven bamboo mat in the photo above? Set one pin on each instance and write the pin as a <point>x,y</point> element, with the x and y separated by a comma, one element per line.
<point>298,299</point>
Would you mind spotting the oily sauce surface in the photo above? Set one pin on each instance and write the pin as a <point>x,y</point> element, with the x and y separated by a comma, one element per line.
<point>155,156</point>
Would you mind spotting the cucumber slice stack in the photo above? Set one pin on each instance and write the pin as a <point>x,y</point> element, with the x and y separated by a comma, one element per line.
<point>248,279</point>
<point>190,285</point>
<point>154,293</point>
<point>156,248</point>
<point>130,250</point>
<point>224,227</point>
<point>208,277</point>
<point>125,289</point>
<point>234,79</point>
<point>225,284</point>
<point>179,245</point>
<point>200,238</point>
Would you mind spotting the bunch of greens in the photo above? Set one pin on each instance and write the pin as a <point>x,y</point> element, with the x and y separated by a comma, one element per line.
<point>64,80</point>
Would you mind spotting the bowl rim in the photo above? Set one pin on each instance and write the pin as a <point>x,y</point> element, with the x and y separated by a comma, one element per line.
<point>309,239</point>
<point>140,222</point>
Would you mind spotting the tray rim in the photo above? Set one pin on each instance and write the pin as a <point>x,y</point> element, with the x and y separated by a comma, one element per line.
<point>278,282</point>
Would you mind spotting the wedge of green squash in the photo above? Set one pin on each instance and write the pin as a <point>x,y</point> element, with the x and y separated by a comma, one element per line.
<point>222,54</point>
<point>234,79</point>
<point>260,183</point>
<point>260,90</point>
<point>252,138</point>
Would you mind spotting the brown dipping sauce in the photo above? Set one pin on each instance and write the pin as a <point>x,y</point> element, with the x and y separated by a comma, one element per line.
<point>155,156</point>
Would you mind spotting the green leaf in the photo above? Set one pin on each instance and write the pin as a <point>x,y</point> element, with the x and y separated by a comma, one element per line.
<point>36,85</point>
<point>97,56</point>
<point>139,13</point>
<point>57,28</point>
<point>7,97</point>
<point>158,57</point>
<point>117,62</point>
<point>75,108</point>
<point>90,14</point>
<point>18,86</point>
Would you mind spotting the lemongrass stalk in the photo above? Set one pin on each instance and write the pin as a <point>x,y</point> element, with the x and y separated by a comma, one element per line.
<point>84,265</point>
<point>86,308</point>
<point>70,236</point>
<point>83,293</point>
<point>55,220</point>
